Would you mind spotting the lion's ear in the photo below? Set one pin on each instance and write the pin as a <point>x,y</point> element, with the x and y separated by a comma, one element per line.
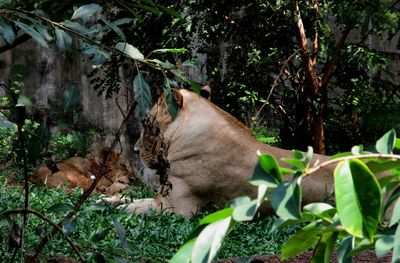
<point>205,92</point>
<point>178,97</point>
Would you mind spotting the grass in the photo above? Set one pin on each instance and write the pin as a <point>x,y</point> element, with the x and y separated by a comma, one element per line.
<point>104,232</point>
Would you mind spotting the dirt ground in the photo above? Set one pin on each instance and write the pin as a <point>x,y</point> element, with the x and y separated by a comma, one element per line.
<point>368,256</point>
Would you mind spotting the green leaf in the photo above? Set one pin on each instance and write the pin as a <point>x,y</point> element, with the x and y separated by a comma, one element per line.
<point>69,226</point>
<point>63,40</point>
<point>130,50</point>
<point>323,250</point>
<point>100,235</point>
<point>209,241</point>
<point>113,27</point>
<point>44,32</point>
<point>300,242</point>
<point>6,31</point>
<point>24,100</point>
<point>260,177</point>
<point>238,201</point>
<point>245,212</point>
<point>121,232</point>
<point>396,213</point>
<point>317,208</point>
<point>383,245</point>
<point>343,252</point>
<point>286,200</point>
<point>358,198</point>
<point>71,97</point>
<point>397,144</point>
<point>172,105</point>
<point>396,246</point>
<point>383,165</point>
<point>86,11</point>
<point>60,207</point>
<point>269,164</point>
<point>184,253</point>
<point>77,27</point>
<point>33,33</point>
<point>221,214</point>
<point>386,143</point>
<point>122,21</point>
<point>142,95</point>
<point>171,50</point>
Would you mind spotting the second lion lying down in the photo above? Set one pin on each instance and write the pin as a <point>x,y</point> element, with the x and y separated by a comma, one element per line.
<point>208,156</point>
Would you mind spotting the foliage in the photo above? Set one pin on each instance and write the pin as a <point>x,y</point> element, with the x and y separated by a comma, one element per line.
<point>359,215</point>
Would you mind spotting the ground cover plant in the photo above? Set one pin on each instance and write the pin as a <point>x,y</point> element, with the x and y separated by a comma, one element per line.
<point>104,232</point>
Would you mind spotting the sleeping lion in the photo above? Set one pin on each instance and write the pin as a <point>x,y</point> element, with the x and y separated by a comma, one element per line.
<point>205,155</point>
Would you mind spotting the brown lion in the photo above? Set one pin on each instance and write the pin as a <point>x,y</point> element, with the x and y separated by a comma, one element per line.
<point>80,172</point>
<point>207,156</point>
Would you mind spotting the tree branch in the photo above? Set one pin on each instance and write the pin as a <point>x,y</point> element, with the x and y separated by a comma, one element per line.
<point>315,42</point>
<point>330,68</point>
<point>306,61</point>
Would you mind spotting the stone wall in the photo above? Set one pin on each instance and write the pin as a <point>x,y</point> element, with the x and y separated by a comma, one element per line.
<point>51,73</point>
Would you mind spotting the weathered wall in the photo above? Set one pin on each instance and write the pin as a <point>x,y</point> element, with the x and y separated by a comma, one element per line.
<point>50,73</point>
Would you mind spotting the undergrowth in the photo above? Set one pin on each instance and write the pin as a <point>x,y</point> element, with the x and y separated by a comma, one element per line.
<point>97,229</point>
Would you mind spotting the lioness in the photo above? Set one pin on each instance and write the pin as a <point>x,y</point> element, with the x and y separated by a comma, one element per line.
<point>211,157</point>
<point>80,172</point>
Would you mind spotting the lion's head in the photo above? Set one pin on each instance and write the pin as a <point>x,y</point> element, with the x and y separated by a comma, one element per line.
<point>151,144</point>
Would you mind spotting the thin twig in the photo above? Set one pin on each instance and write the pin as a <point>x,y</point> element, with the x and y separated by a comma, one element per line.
<point>272,88</point>
<point>44,218</point>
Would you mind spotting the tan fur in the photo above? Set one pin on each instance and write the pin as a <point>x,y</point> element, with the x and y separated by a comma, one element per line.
<point>212,157</point>
<point>77,171</point>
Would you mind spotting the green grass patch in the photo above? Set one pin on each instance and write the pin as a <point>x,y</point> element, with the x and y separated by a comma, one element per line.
<point>102,231</point>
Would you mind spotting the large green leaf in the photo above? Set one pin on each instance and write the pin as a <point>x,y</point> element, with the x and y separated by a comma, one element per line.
<point>184,253</point>
<point>286,199</point>
<point>396,246</point>
<point>396,213</point>
<point>323,250</point>
<point>33,33</point>
<point>245,212</point>
<point>63,40</point>
<point>130,50</point>
<point>300,242</point>
<point>209,241</point>
<point>216,216</point>
<point>172,105</point>
<point>383,245</point>
<point>6,31</point>
<point>142,95</point>
<point>344,249</point>
<point>386,143</point>
<point>358,198</point>
<point>269,164</point>
<point>86,11</point>
<point>260,177</point>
